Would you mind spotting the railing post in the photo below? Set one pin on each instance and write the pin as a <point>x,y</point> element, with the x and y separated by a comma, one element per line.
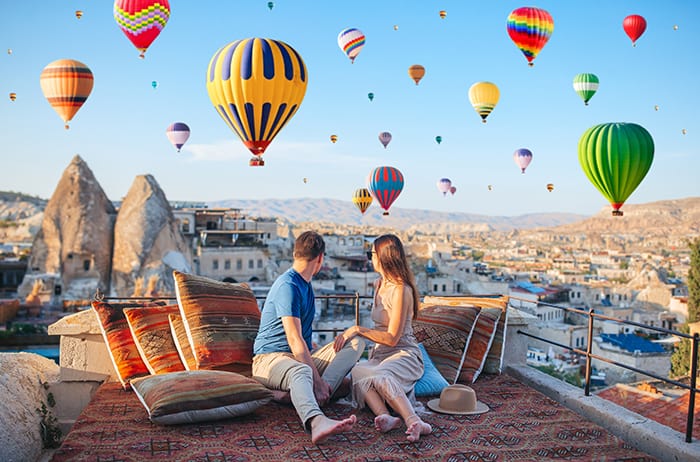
<point>589,347</point>
<point>693,383</point>
<point>357,309</point>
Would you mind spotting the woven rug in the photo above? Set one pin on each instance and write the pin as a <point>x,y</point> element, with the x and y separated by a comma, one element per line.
<point>522,425</point>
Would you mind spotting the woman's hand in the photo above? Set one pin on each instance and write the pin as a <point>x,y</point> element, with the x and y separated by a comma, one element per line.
<point>340,340</point>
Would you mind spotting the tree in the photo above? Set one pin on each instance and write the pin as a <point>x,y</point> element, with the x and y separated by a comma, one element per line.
<point>680,360</point>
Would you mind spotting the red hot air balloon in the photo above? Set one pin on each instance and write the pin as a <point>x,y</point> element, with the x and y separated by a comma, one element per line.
<point>453,190</point>
<point>141,20</point>
<point>385,184</point>
<point>634,26</point>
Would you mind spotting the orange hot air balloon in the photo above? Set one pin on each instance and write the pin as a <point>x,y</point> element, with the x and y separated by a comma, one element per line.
<point>416,72</point>
<point>443,14</point>
<point>334,138</point>
<point>66,84</point>
<point>78,14</point>
<point>550,187</point>
<point>13,96</point>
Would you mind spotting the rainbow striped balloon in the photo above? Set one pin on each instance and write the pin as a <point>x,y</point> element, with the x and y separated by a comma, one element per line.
<point>141,20</point>
<point>351,41</point>
<point>385,184</point>
<point>530,28</point>
<point>66,84</point>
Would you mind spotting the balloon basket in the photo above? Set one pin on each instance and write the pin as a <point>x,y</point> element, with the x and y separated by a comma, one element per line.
<point>256,162</point>
<point>385,214</point>
<point>617,213</point>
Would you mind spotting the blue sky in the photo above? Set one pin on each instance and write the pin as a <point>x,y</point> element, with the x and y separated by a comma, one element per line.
<point>120,130</point>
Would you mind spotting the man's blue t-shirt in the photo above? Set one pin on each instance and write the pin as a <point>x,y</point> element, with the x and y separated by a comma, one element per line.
<point>290,295</point>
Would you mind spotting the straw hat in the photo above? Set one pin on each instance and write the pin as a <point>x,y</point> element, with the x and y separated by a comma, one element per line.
<point>457,399</point>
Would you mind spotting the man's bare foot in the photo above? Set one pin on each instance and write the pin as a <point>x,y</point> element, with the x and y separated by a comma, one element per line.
<point>384,423</point>
<point>322,427</point>
<point>417,429</point>
<point>281,396</point>
<point>343,389</point>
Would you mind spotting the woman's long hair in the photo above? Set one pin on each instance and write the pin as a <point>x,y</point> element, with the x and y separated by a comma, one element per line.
<point>394,264</point>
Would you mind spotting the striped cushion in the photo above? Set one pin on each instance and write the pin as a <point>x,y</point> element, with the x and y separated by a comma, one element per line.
<point>445,332</point>
<point>198,396</point>
<point>177,329</point>
<point>151,331</point>
<point>120,343</point>
<point>479,344</point>
<point>221,320</point>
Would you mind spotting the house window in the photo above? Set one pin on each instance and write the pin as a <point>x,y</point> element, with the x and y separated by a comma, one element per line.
<point>251,264</point>
<point>185,226</point>
<point>435,286</point>
<point>260,263</point>
<point>239,264</point>
<point>86,265</point>
<point>444,287</point>
<point>227,264</point>
<point>215,264</point>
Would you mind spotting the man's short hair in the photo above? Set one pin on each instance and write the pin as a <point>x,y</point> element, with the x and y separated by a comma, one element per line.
<point>309,245</point>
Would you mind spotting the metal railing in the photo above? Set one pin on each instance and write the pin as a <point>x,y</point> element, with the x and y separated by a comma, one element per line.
<point>589,355</point>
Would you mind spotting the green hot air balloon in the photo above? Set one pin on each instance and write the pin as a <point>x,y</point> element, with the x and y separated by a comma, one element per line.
<point>370,96</point>
<point>586,85</point>
<point>616,157</point>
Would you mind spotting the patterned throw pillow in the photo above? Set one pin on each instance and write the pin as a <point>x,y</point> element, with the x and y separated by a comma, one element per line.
<point>431,382</point>
<point>177,329</point>
<point>479,344</point>
<point>199,396</point>
<point>221,320</point>
<point>120,343</point>
<point>494,359</point>
<point>151,331</point>
<point>445,332</point>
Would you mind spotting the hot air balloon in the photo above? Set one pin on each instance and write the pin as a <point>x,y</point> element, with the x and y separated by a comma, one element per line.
<point>443,14</point>
<point>141,20</point>
<point>154,84</point>
<point>306,180</point>
<point>550,187</point>
<point>586,85</point>
<point>385,184</point>
<point>484,97</point>
<point>438,139</point>
<point>530,28</point>
<point>270,5</point>
<point>362,199</point>
<point>396,27</point>
<point>656,108</point>
<point>9,51</point>
<point>522,158</point>
<point>13,96</point>
<point>178,133</point>
<point>675,27</point>
<point>66,84</point>
<point>351,41</point>
<point>78,14</point>
<point>490,187</point>
<point>453,190</point>
<point>616,157</point>
<point>684,131</point>
<point>444,185</point>
<point>385,138</point>
<point>634,26</point>
<point>334,138</point>
<point>416,72</point>
<point>256,86</point>
<point>370,96</point>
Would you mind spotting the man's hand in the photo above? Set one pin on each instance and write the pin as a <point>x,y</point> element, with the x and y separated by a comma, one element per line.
<point>322,391</point>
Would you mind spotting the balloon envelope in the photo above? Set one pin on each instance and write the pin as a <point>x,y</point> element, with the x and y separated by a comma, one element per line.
<point>416,72</point>
<point>586,85</point>
<point>334,138</point>
<point>141,20</point>
<point>362,199</point>
<point>453,190</point>
<point>66,84</point>
<point>370,96</point>
<point>484,96</point>
<point>530,28</point>
<point>634,26</point>
<point>351,41</point>
<point>444,185</point>
<point>385,138</point>
<point>616,157</point>
<point>256,85</point>
<point>385,184</point>
<point>438,139</point>
<point>522,158</point>
<point>443,14</point>
<point>178,134</point>
<point>550,187</point>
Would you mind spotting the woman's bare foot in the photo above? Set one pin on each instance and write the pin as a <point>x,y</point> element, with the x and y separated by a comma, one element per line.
<point>322,427</point>
<point>281,396</point>
<point>417,429</point>
<point>384,423</point>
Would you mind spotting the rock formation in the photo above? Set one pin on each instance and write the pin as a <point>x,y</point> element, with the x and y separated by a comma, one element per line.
<point>148,245</point>
<point>72,250</point>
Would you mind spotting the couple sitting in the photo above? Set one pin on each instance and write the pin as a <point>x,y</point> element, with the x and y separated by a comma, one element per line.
<point>282,352</point>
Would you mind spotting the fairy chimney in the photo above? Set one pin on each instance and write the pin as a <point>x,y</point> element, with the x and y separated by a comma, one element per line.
<point>148,244</point>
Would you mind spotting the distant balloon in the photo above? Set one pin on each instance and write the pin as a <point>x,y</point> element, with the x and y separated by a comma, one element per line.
<point>9,51</point>
<point>306,180</point>
<point>656,108</point>
<point>351,41</point>
<point>550,187</point>
<point>530,28</point>
<point>13,96</point>
<point>490,187</point>
<point>444,185</point>
<point>416,72</point>
<point>154,84</point>
<point>684,131</point>
<point>634,26</point>
<point>438,139</point>
<point>78,14</point>
<point>675,27</point>
<point>586,85</point>
<point>453,190</point>
<point>141,20</point>
<point>443,14</point>
<point>178,133</point>
<point>362,199</point>
<point>270,5</point>
<point>66,84</point>
<point>370,96</point>
<point>484,97</point>
<point>522,158</point>
<point>396,27</point>
<point>334,138</point>
<point>385,184</point>
<point>616,157</point>
<point>385,138</point>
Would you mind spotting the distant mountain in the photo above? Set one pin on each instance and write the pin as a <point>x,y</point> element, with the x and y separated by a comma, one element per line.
<point>345,213</point>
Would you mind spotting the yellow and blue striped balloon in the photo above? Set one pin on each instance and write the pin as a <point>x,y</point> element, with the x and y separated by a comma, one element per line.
<point>256,86</point>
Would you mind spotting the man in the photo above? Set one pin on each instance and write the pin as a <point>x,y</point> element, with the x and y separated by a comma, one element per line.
<point>282,350</point>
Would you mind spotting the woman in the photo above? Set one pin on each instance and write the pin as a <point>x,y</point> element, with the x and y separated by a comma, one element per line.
<point>395,363</point>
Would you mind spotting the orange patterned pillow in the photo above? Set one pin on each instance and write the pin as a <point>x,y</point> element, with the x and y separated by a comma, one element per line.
<point>221,320</point>
<point>177,328</point>
<point>120,343</point>
<point>151,331</point>
<point>479,344</point>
